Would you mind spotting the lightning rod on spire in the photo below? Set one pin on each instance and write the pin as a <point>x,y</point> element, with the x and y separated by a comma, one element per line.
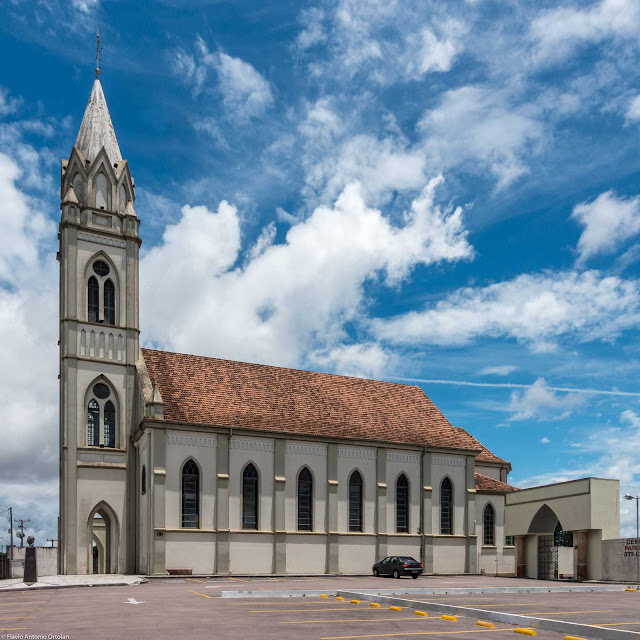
<point>98,51</point>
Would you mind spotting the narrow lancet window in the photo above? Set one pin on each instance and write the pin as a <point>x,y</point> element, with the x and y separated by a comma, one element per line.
<point>402,504</point>
<point>93,300</point>
<point>355,502</point>
<point>446,507</point>
<point>93,421</point>
<point>109,303</point>
<point>109,425</point>
<point>250,498</point>
<point>190,495</point>
<point>489,526</point>
<point>305,500</point>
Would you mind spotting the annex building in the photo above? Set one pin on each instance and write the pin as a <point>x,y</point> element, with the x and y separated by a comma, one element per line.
<point>180,463</point>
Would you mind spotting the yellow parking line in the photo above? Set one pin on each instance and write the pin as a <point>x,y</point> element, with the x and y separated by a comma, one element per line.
<point>396,618</point>
<point>345,608</point>
<point>557,613</point>
<point>238,579</point>
<point>412,633</point>
<point>202,594</point>
<point>15,617</point>
<point>196,580</point>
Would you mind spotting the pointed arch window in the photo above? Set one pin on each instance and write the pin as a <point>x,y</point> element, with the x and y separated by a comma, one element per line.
<point>446,507</point>
<point>305,500</point>
<point>402,504</point>
<point>102,421</point>
<point>190,495</point>
<point>78,186</point>
<point>122,198</point>
<point>489,525</point>
<point>102,191</point>
<point>109,303</point>
<point>355,502</point>
<point>93,299</point>
<point>143,480</point>
<point>93,422</point>
<point>250,497</point>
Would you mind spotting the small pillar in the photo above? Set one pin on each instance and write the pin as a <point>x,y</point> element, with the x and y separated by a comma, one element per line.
<point>521,563</point>
<point>580,539</point>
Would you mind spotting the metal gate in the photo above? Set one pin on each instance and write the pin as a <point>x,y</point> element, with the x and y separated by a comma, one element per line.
<point>547,559</point>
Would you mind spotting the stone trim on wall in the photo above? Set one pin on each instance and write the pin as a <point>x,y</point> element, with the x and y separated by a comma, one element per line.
<point>191,441</point>
<point>111,242</point>
<point>408,458</point>
<point>356,454</point>
<point>441,461</point>
<point>306,449</point>
<point>251,445</point>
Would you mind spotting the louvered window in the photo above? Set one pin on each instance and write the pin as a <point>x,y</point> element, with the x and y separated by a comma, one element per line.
<point>109,424</point>
<point>93,418</point>
<point>109,303</point>
<point>93,303</point>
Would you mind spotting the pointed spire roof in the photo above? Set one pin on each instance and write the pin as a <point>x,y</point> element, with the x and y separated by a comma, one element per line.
<point>96,130</point>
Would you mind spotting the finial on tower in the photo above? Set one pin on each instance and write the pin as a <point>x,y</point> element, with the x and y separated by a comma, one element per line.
<point>98,50</point>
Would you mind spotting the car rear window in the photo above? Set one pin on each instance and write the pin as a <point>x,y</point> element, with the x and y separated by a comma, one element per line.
<point>406,559</point>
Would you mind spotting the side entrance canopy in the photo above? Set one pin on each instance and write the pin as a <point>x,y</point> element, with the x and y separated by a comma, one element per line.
<point>541,517</point>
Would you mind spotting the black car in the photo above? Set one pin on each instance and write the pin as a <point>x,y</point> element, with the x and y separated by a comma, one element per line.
<point>397,566</point>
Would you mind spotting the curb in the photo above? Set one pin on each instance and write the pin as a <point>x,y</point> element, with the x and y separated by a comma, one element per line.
<point>546,624</point>
<point>44,587</point>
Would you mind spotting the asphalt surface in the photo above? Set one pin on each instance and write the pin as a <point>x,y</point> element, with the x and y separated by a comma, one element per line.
<point>193,609</point>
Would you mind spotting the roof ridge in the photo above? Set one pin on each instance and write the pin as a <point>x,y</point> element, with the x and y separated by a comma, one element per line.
<point>273,366</point>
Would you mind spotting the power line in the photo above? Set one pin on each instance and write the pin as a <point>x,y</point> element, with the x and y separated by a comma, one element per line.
<point>34,500</point>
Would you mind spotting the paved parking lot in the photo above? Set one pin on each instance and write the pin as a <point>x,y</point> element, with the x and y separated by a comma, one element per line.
<point>193,609</point>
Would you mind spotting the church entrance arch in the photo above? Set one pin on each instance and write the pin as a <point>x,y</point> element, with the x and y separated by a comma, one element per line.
<point>103,540</point>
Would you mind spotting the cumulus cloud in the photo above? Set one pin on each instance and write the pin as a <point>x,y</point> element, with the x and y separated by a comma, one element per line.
<point>545,440</point>
<point>633,110</point>
<point>608,222</point>
<point>367,360</point>
<point>245,93</point>
<point>289,299</point>
<point>535,309</point>
<point>558,32</point>
<point>539,402</point>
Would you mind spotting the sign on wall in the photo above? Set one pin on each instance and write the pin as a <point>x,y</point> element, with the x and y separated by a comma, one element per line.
<point>628,548</point>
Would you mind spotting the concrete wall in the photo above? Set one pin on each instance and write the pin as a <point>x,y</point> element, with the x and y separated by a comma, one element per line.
<point>46,557</point>
<point>619,559</point>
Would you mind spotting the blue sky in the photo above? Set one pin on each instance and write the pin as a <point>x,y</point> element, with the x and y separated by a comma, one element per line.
<point>444,193</point>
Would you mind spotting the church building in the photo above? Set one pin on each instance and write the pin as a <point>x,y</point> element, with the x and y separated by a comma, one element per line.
<point>173,463</point>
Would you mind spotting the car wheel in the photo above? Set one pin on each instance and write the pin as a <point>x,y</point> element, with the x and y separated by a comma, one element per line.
<point>415,576</point>
<point>395,573</point>
<point>376,573</point>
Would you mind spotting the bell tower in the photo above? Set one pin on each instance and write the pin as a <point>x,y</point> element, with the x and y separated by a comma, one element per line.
<point>99,344</point>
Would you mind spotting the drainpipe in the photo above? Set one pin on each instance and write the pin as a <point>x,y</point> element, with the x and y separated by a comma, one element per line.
<point>421,494</point>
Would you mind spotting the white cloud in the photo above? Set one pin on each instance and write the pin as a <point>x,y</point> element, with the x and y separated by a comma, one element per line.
<point>475,124</point>
<point>539,402</point>
<point>608,222</point>
<point>499,370</point>
<point>85,6</point>
<point>368,360</point>
<point>212,129</point>
<point>312,32</point>
<point>245,93</point>
<point>436,52</point>
<point>534,309</point>
<point>558,32</point>
<point>289,299</point>
<point>8,104</point>
<point>545,440</point>
<point>633,110</point>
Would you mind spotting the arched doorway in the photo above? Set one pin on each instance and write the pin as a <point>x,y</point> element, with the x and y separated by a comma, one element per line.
<point>544,524</point>
<point>103,540</point>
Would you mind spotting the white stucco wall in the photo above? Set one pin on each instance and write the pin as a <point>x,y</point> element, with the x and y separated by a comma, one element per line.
<point>407,462</point>
<point>454,468</point>
<point>364,460</point>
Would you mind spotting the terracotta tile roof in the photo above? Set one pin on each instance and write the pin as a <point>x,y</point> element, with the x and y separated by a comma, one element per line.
<point>485,484</point>
<point>210,391</point>
<point>485,455</point>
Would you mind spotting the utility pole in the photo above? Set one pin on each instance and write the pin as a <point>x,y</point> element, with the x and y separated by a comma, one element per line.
<point>11,530</point>
<point>21,533</point>
<point>52,540</point>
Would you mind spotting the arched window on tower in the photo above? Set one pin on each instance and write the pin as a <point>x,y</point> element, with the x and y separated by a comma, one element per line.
<point>109,424</point>
<point>102,191</point>
<point>190,495</point>
<point>250,496</point>
<point>489,526</point>
<point>109,302</point>
<point>93,424</point>
<point>93,300</point>
<point>78,186</point>
<point>143,480</point>
<point>305,500</point>
<point>446,507</point>
<point>102,429</point>
<point>122,198</point>
<point>402,504</point>
<point>355,502</point>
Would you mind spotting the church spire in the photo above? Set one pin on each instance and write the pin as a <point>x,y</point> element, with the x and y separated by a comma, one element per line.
<point>96,130</point>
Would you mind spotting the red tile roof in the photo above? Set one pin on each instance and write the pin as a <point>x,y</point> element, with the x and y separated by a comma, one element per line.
<point>485,455</point>
<point>211,391</point>
<point>485,484</point>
